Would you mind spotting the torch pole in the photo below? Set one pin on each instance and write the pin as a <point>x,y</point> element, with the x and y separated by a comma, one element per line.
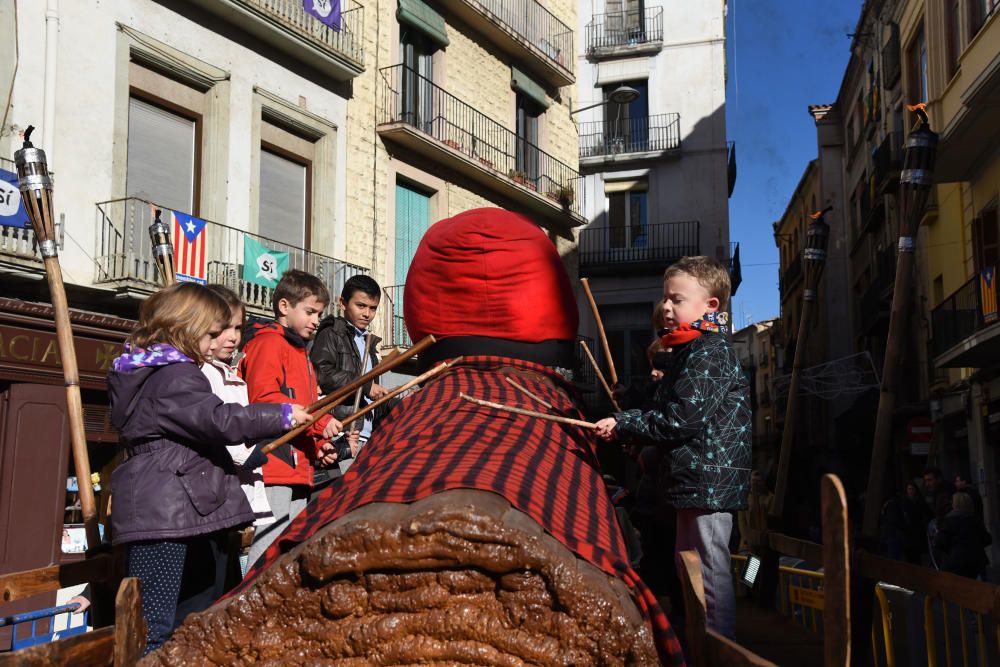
<point>36,193</point>
<point>915,183</point>
<point>791,411</point>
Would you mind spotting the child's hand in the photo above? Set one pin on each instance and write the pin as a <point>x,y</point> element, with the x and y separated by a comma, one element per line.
<point>354,440</point>
<point>299,415</point>
<point>327,454</point>
<point>377,392</point>
<point>332,429</point>
<point>83,602</point>
<point>606,428</point>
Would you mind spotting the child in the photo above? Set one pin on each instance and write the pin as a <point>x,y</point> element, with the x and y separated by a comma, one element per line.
<point>701,419</point>
<point>277,370</point>
<point>227,385</point>
<point>176,494</point>
<point>339,348</point>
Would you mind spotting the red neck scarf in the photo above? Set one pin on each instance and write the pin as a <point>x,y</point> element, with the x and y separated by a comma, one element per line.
<point>684,333</point>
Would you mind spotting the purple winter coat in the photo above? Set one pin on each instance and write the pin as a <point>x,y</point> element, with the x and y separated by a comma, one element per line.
<point>178,480</point>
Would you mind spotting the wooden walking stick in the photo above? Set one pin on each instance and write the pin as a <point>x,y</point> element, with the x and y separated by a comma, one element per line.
<point>600,376</point>
<point>163,251</point>
<point>600,331</point>
<point>530,394</point>
<point>915,183</point>
<point>332,400</point>
<point>361,389</point>
<point>530,413</point>
<point>36,193</point>
<point>440,368</point>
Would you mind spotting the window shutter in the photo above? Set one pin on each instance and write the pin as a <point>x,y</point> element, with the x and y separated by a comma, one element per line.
<point>161,156</point>
<point>283,188</point>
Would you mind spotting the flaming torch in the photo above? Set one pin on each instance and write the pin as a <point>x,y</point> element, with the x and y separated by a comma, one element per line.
<point>915,183</point>
<point>36,193</point>
<point>813,261</point>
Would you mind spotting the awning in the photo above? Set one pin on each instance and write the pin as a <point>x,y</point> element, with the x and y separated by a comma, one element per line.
<point>418,14</point>
<point>523,83</point>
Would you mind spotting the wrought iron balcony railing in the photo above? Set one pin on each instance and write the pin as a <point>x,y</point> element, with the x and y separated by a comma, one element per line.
<point>957,317</point>
<point>658,133</point>
<point>125,256</point>
<point>609,32</point>
<point>415,101</point>
<point>536,31</point>
<point>393,326</point>
<point>659,243</point>
<point>271,18</point>
<point>888,161</point>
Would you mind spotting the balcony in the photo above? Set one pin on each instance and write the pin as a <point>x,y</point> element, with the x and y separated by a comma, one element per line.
<point>125,256</point>
<point>285,25</point>
<point>629,138</point>
<point>18,252</point>
<point>394,333</point>
<point>888,161</point>
<point>422,117</point>
<point>963,338</point>
<point>636,250</point>
<point>525,30</point>
<point>790,276</point>
<point>625,33</point>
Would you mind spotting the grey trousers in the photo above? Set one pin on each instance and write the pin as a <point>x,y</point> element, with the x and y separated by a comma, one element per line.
<point>708,533</point>
<point>286,502</point>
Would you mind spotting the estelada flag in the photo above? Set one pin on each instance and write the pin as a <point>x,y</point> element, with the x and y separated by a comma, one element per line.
<point>189,248</point>
<point>988,293</point>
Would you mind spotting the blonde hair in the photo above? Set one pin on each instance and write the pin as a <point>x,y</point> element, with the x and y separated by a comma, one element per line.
<point>962,502</point>
<point>179,315</point>
<point>709,273</point>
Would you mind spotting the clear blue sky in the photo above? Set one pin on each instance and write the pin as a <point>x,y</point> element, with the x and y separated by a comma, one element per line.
<point>783,56</point>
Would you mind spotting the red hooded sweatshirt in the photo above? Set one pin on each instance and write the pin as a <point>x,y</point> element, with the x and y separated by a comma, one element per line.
<point>277,369</point>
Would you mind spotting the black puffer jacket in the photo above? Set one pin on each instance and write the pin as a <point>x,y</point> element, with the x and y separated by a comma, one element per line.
<point>337,360</point>
<point>178,479</point>
<point>701,416</point>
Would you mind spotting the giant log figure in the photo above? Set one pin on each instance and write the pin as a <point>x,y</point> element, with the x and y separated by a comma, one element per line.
<point>461,534</point>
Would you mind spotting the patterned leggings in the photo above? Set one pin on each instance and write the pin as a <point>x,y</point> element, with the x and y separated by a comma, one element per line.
<point>177,578</point>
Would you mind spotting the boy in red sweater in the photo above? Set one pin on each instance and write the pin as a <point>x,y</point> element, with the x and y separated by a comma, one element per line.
<point>277,369</point>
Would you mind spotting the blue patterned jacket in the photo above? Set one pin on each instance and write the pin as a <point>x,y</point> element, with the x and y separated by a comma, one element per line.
<point>701,415</point>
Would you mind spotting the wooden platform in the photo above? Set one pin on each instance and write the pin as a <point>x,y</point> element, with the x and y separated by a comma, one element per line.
<point>773,636</point>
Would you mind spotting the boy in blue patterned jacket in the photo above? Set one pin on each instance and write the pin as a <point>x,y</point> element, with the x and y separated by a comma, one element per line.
<point>701,418</point>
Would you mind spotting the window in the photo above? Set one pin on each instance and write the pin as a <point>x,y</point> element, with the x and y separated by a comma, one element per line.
<point>527,156</point>
<point>629,336</point>
<point>413,217</point>
<point>979,11</point>
<point>986,238</point>
<point>627,125</point>
<point>917,62</point>
<point>627,218</point>
<point>418,76</point>
<point>953,36</point>
<point>286,178</point>
<point>162,155</point>
<point>624,21</point>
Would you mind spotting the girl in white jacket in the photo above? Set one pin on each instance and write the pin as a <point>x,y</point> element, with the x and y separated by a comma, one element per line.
<point>227,385</point>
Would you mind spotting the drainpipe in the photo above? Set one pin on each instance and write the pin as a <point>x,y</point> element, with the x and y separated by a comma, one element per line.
<point>49,99</point>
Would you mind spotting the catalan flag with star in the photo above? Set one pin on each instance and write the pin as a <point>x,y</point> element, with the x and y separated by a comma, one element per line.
<point>189,248</point>
<point>988,293</point>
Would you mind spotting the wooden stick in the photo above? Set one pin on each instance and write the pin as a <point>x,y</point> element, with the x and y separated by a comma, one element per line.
<point>329,402</point>
<point>364,362</point>
<point>399,390</point>
<point>600,331</point>
<point>530,413</point>
<point>530,394</point>
<point>600,375</point>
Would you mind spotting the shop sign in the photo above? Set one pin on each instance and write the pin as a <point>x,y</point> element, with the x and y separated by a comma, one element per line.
<point>919,431</point>
<point>20,347</point>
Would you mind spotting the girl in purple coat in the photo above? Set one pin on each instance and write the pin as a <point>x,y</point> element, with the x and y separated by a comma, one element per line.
<point>177,494</point>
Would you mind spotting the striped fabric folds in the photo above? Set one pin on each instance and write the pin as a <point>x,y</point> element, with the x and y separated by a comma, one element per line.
<point>435,441</point>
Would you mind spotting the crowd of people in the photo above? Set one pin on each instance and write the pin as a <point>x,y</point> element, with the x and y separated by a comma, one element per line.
<point>195,376</point>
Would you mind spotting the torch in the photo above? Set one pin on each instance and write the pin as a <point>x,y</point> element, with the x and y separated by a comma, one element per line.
<point>163,252</point>
<point>915,183</point>
<point>36,193</point>
<point>813,261</point>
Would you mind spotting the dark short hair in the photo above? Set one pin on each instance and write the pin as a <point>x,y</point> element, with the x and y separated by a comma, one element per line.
<point>296,285</point>
<point>361,283</point>
<point>935,471</point>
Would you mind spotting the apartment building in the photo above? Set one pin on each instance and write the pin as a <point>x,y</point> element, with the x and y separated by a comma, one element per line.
<point>650,108</point>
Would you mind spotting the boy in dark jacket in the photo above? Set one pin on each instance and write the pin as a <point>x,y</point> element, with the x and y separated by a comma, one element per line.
<point>702,419</point>
<point>340,344</point>
<point>277,369</point>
